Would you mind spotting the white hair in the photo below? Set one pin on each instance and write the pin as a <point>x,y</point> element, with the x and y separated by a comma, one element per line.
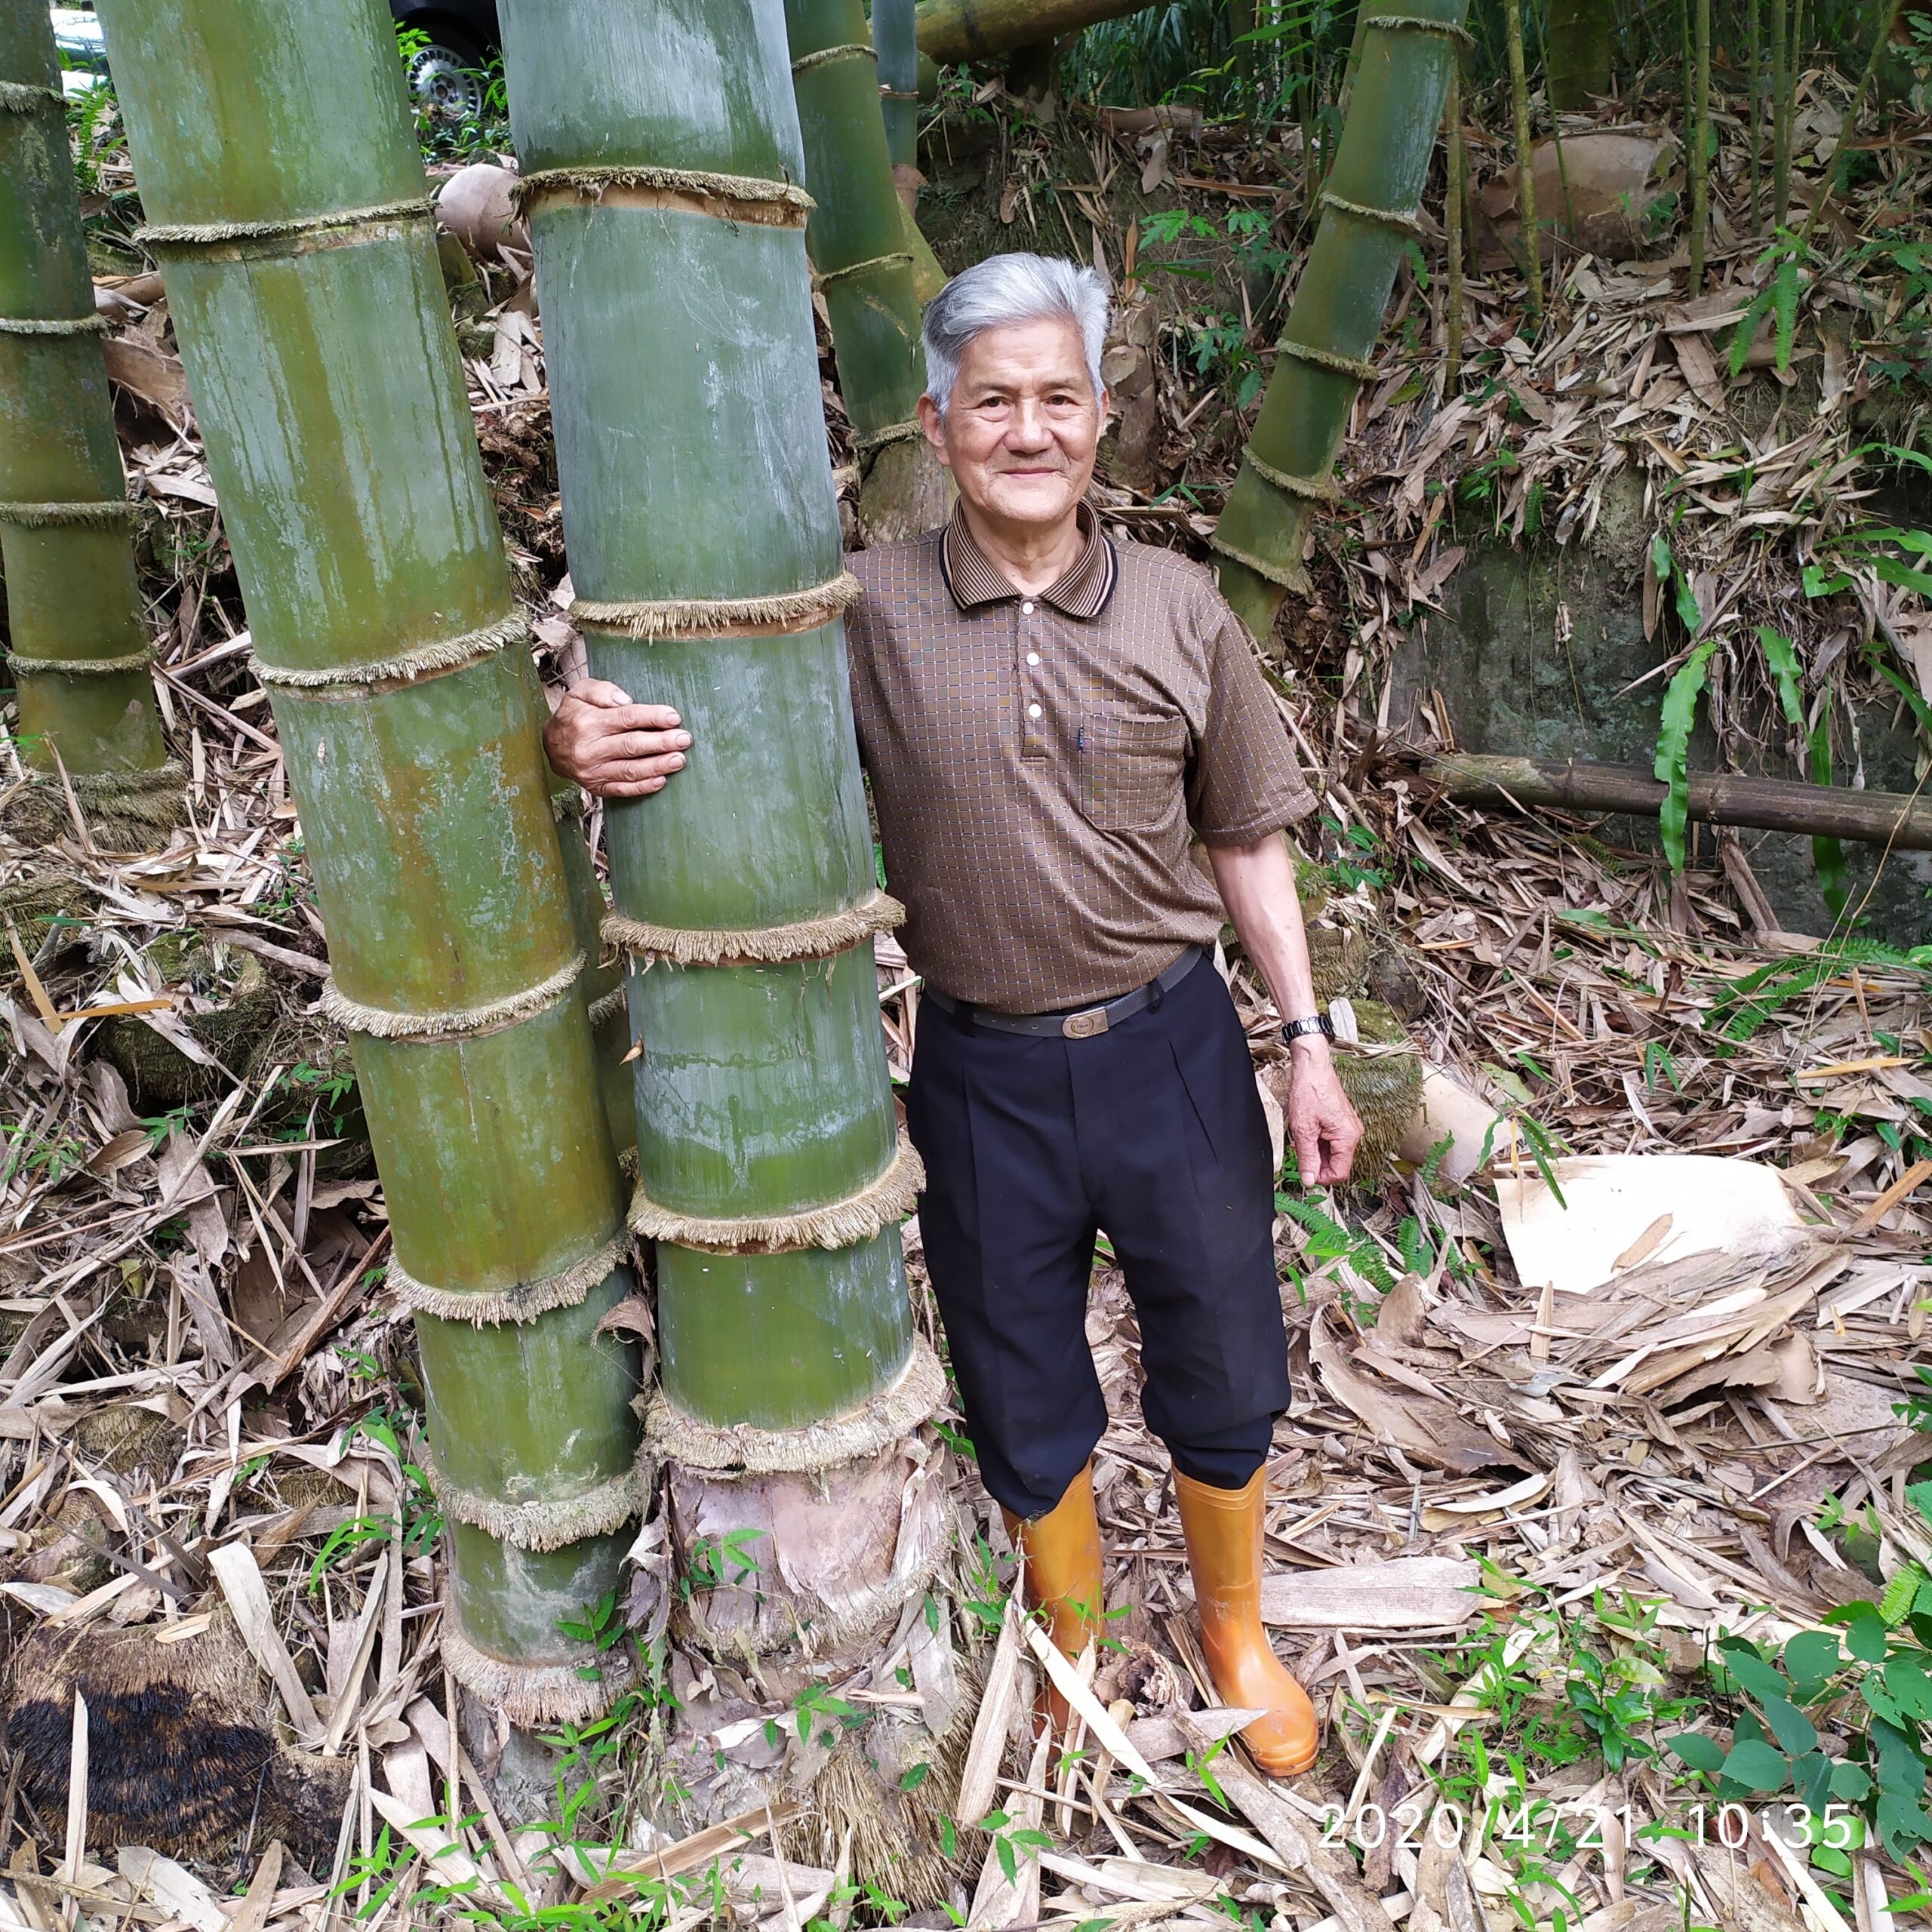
<point>1004,290</point>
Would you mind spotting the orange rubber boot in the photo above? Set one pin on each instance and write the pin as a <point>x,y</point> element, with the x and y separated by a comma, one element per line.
<point>1223,1527</point>
<point>1061,1554</point>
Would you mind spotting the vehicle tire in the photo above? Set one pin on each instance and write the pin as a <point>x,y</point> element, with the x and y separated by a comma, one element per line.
<point>445,77</point>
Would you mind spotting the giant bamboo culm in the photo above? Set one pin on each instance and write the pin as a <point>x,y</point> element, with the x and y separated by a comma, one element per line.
<point>284,194</point>
<point>704,547</point>
<point>856,237</point>
<point>1369,210</point>
<point>80,653</point>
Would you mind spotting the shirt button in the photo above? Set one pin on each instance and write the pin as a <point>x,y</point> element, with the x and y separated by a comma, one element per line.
<point>1025,609</point>
<point>1033,657</point>
<point>1032,711</point>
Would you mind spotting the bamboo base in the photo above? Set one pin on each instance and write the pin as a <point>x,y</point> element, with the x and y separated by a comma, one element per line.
<point>839,1552</point>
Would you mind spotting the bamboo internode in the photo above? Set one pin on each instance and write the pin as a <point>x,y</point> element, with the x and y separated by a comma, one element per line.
<point>311,317</point>
<point>80,653</point>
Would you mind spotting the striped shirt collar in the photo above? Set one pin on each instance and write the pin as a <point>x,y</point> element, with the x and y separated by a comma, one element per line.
<point>974,578</point>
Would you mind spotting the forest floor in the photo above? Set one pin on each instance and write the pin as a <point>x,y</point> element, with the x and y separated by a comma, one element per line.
<point>1523,1533</point>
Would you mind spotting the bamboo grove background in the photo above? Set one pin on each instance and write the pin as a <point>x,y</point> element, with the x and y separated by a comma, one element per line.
<point>173,1229</point>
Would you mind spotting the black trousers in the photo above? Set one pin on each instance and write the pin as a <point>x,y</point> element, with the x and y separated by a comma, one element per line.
<point>1152,1130</point>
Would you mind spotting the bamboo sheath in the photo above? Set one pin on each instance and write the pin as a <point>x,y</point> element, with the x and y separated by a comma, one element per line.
<point>1368,215</point>
<point>285,197</point>
<point>703,540</point>
<point>80,647</point>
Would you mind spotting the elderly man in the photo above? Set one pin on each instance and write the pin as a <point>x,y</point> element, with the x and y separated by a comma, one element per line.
<point>1050,718</point>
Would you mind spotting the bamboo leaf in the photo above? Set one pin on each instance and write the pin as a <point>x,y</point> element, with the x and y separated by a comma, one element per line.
<point>1786,673</point>
<point>1672,766</point>
<point>1784,291</point>
<point>1747,328</point>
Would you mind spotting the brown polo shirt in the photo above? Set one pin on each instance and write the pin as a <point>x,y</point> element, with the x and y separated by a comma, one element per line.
<point>1040,764</point>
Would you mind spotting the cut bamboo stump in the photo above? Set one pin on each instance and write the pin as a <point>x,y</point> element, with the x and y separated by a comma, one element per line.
<point>1768,804</point>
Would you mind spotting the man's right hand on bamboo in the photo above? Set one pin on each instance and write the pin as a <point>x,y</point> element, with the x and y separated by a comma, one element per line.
<point>613,747</point>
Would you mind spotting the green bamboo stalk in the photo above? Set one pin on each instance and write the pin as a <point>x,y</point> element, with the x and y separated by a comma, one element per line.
<point>855,239</point>
<point>81,652</point>
<point>1697,157</point>
<point>906,78</point>
<point>1782,62</point>
<point>895,40</point>
<point>279,171</point>
<point>704,549</point>
<point>1556,143</point>
<point>1452,224</point>
<point>1531,236</point>
<point>1576,63</point>
<point>1368,214</point>
<point>1754,53</point>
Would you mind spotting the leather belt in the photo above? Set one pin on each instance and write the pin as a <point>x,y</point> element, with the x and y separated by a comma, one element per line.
<point>1085,1024</point>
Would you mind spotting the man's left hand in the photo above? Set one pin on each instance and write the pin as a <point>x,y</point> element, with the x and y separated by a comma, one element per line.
<point>1324,1129</point>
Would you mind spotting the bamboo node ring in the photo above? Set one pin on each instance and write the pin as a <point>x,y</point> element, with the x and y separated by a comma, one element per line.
<point>445,654</point>
<point>912,1397</point>
<point>115,788</point>
<point>81,667</point>
<point>461,1022</point>
<point>693,191</point>
<point>1327,359</point>
<point>19,97</point>
<point>900,258</point>
<point>1408,222</point>
<point>1283,575</point>
<point>845,1223</point>
<point>188,234</point>
<point>533,1695</point>
<point>849,50</point>
<point>567,1288</point>
<point>40,516</point>
<point>60,325</point>
<point>781,613</point>
<point>1421,23</point>
<point>545,1524</point>
<point>606,1006</point>
<point>765,946</point>
<point>1310,489</point>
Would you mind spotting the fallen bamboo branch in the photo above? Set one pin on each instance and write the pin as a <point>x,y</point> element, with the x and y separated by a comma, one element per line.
<point>1895,819</point>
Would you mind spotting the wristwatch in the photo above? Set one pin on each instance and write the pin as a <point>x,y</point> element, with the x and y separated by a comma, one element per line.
<point>1315,1023</point>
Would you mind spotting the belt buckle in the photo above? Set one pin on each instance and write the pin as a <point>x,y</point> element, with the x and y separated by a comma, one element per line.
<point>1084,1026</point>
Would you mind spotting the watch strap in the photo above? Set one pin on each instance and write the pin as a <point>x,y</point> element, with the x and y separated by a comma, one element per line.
<point>1313,1022</point>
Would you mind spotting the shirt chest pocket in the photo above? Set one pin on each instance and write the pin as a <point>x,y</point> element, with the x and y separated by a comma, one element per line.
<point>1130,770</point>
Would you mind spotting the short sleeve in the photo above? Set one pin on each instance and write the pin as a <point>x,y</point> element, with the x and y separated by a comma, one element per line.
<point>1245,782</point>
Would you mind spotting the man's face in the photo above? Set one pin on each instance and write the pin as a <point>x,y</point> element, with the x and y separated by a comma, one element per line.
<point>1019,431</point>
